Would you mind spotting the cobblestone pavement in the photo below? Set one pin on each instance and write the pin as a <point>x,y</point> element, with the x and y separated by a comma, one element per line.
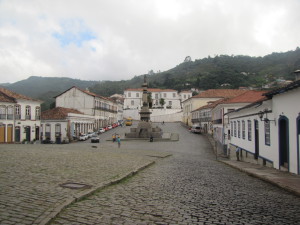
<point>189,187</point>
<point>30,175</point>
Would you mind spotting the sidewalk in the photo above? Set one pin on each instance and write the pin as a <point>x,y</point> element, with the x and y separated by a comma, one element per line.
<point>285,180</point>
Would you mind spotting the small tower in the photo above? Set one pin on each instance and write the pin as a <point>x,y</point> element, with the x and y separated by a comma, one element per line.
<point>145,113</point>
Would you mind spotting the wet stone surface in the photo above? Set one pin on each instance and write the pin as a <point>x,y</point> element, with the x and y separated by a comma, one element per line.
<point>189,187</point>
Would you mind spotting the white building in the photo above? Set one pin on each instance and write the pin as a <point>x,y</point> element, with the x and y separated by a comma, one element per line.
<point>221,129</point>
<point>103,109</point>
<point>62,124</point>
<point>133,98</point>
<point>202,99</point>
<point>268,131</point>
<point>19,117</point>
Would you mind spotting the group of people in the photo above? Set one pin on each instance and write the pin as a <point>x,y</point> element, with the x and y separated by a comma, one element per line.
<point>116,137</point>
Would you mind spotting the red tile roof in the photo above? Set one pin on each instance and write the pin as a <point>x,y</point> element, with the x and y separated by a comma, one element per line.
<point>247,97</point>
<point>211,105</point>
<point>11,96</point>
<point>58,113</point>
<point>220,93</point>
<point>151,90</point>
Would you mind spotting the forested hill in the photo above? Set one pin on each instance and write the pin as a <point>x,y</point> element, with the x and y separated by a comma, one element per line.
<point>221,71</point>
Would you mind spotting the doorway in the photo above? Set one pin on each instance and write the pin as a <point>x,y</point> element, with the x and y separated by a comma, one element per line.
<point>283,142</point>
<point>298,143</point>
<point>256,139</point>
<point>27,131</point>
<point>17,134</point>
<point>9,133</point>
<point>2,133</point>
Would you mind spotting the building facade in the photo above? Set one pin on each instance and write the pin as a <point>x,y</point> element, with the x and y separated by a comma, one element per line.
<point>103,109</point>
<point>61,125</point>
<point>133,98</point>
<point>267,132</point>
<point>202,99</point>
<point>19,117</point>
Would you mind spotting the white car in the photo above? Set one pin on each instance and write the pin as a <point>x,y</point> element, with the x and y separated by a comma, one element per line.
<point>101,130</point>
<point>109,127</point>
<point>83,137</point>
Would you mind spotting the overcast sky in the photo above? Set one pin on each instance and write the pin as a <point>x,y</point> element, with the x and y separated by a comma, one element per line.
<point>118,39</point>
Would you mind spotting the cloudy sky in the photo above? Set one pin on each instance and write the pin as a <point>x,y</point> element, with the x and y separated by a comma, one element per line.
<point>118,39</point>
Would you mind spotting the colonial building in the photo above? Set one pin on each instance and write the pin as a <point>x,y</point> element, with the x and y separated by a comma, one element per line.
<point>104,110</point>
<point>133,98</point>
<point>62,124</point>
<point>203,98</point>
<point>221,129</point>
<point>202,116</point>
<point>267,132</point>
<point>19,117</point>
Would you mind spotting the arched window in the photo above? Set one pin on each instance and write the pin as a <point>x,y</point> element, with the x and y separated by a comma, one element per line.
<point>2,112</point>
<point>28,112</point>
<point>37,113</point>
<point>10,112</point>
<point>17,112</point>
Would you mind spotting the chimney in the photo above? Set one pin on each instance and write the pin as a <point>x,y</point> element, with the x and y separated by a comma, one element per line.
<point>297,75</point>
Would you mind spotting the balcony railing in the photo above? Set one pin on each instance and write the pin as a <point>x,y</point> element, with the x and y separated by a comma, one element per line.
<point>3,116</point>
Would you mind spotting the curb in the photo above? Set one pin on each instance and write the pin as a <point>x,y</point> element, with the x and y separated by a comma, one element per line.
<point>51,214</point>
<point>286,188</point>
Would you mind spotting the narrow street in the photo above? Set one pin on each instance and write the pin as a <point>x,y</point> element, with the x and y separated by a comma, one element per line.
<point>189,187</point>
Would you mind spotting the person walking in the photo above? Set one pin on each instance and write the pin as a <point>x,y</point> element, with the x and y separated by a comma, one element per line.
<point>114,137</point>
<point>119,141</point>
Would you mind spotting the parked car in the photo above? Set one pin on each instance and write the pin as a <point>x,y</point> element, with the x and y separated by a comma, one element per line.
<point>95,139</point>
<point>83,137</point>
<point>106,128</point>
<point>101,130</point>
<point>196,129</point>
<point>109,127</point>
<point>90,134</point>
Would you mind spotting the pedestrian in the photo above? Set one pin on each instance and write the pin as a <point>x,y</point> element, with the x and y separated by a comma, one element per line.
<point>119,141</point>
<point>114,137</point>
<point>237,152</point>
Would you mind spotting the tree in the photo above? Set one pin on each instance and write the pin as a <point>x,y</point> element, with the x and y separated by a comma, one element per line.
<point>162,102</point>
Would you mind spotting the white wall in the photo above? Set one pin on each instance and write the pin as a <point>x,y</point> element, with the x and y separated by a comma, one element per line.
<point>76,99</point>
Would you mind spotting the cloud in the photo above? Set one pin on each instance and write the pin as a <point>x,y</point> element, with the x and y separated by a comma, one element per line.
<point>117,39</point>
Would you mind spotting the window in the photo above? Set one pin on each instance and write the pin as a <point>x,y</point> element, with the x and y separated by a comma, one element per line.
<point>239,129</point>
<point>28,113</point>
<point>231,128</point>
<point>165,95</point>
<point>129,95</point>
<point>132,102</point>
<point>48,131</point>
<point>243,129</point>
<point>170,102</point>
<point>156,96</point>
<point>2,112</point>
<point>57,129</point>
<point>137,95</point>
<point>10,113</point>
<point>234,128</point>
<point>37,113</point>
<point>267,133</point>
<point>174,95</point>
<point>184,96</point>
<point>249,130</point>
<point>17,112</point>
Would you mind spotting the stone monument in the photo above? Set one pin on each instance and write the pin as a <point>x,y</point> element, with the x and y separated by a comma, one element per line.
<point>144,128</point>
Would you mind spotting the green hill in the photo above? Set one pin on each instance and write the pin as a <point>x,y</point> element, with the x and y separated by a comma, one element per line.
<point>221,71</point>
